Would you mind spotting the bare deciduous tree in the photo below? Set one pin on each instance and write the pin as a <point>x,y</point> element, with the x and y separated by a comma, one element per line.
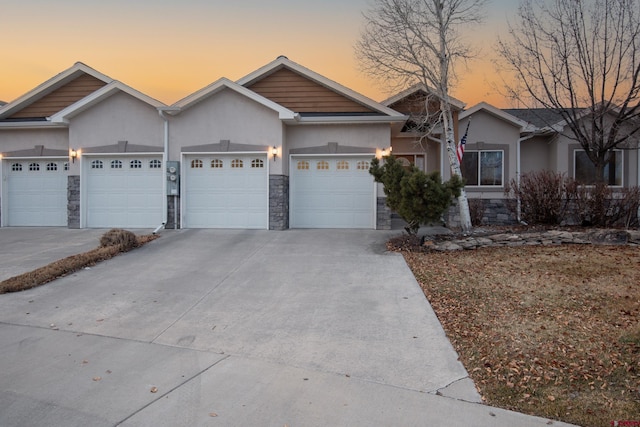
<point>407,42</point>
<point>581,59</point>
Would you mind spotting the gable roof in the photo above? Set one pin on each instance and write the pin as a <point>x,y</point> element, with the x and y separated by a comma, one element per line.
<point>222,84</point>
<point>98,96</point>
<point>372,111</point>
<point>500,114</point>
<point>419,88</point>
<point>78,70</point>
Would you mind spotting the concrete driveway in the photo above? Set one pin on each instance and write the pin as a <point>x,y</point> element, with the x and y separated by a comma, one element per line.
<point>235,328</point>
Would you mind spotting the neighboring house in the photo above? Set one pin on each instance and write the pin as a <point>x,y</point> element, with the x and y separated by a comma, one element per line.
<point>282,147</point>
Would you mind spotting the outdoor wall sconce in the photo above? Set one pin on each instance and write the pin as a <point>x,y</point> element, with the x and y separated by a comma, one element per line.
<point>73,154</point>
<point>385,152</point>
<point>274,152</point>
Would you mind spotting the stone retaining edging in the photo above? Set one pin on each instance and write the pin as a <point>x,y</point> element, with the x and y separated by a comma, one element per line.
<point>544,238</point>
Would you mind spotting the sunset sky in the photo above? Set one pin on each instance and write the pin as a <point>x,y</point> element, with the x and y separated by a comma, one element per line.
<point>169,49</point>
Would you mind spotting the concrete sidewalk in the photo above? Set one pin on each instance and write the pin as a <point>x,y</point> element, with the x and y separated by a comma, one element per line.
<point>236,327</point>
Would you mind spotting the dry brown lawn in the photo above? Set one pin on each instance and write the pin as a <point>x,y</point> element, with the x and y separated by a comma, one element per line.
<point>551,331</point>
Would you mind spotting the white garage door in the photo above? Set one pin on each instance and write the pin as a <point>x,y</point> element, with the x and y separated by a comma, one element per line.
<point>331,192</point>
<point>225,191</point>
<point>123,191</point>
<point>37,192</point>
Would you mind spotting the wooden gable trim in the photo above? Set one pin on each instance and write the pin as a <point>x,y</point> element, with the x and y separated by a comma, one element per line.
<point>301,95</point>
<point>60,98</point>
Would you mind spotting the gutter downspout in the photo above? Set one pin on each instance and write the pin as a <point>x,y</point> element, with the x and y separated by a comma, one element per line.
<point>518,174</point>
<point>165,157</point>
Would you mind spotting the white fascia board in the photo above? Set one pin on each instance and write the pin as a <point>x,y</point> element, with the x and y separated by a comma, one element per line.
<point>283,62</point>
<point>32,125</point>
<point>224,83</point>
<point>50,85</point>
<point>99,95</point>
<point>351,120</point>
<point>420,87</point>
<point>523,125</point>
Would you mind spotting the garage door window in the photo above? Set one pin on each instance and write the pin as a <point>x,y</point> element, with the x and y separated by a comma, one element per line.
<point>116,164</point>
<point>196,164</point>
<point>302,165</point>
<point>155,164</point>
<point>217,164</point>
<point>343,165</point>
<point>236,163</point>
<point>135,164</point>
<point>52,167</point>
<point>66,166</point>
<point>363,165</point>
<point>16,167</point>
<point>257,163</point>
<point>322,165</point>
<point>34,167</point>
<point>97,164</point>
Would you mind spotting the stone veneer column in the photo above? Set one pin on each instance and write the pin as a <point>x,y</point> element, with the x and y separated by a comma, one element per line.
<point>383,214</point>
<point>173,213</point>
<point>278,202</point>
<point>73,201</point>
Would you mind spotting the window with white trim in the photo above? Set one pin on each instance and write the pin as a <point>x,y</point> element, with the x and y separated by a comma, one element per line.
<point>196,164</point>
<point>116,164</point>
<point>584,170</point>
<point>217,163</point>
<point>52,167</point>
<point>322,165</point>
<point>34,167</point>
<point>302,165</point>
<point>16,167</point>
<point>135,164</point>
<point>66,166</point>
<point>483,168</point>
<point>97,164</point>
<point>363,165</point>
<point>343,165</point>
<point>155,164</point>
<point>237,163</point>
<point>257,163</point>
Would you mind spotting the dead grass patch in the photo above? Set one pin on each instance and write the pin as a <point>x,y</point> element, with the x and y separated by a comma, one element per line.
<point>548,331</point>
<point>112,243</point>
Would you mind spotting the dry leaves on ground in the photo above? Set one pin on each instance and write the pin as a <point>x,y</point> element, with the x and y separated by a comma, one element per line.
<point>551,331</point>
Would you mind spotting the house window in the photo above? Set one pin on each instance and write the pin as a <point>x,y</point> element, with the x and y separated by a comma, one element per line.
<point>34,167</point>
<point>236,163</point>
<point>97,164</point>
<point>196,164</point>
<point>116,164</point>
<point>585,170</point>
<point>322,165</point>
<point>16,167</point>
<point>257,163</point>
<point>303,165</point>
<point>155,164</point>
<point>216,163</point>
<point>52,167</point>
<point>343,165</point>
<point>363,165</point>
<point>483,168</point>
<point>135,164</point>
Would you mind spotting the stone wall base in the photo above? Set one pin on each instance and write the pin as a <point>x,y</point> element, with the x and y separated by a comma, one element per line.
<point>278,202</point>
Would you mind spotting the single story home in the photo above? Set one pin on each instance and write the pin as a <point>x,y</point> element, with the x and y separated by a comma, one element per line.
<point>283,147</point>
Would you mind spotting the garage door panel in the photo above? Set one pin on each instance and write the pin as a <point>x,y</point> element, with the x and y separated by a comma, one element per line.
<point>331,192</point>
<point>36,192</point>
<point>225,196</point>
<point>125,196</point>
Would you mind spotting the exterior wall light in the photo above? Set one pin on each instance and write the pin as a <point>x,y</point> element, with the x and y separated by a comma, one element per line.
<point>274,152</point>
<point>73,153</point>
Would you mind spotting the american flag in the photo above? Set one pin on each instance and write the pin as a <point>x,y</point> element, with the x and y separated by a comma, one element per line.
<point>463,142</point>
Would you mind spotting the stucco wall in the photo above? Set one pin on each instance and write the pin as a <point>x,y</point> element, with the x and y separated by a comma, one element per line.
<point>535,155</point>
<point>24,139</point>
<point>227,116</point>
